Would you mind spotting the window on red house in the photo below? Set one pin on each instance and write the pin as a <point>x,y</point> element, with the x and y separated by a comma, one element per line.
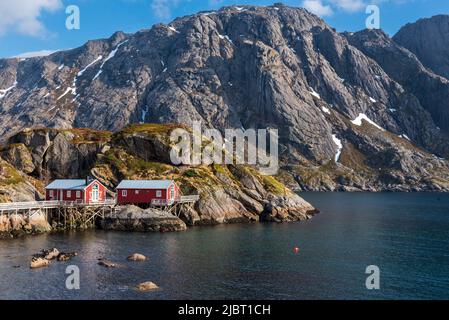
<point>69,194</point>
<point>124,193</point>
<point>158,193</point>
<point>78,194</point>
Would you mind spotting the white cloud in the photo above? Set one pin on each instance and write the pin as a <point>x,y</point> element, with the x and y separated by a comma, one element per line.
<point>42,53</point>
<point>23,16</point>
<point>162,8</point>
<point>317,7</point>
<point>349,5</point>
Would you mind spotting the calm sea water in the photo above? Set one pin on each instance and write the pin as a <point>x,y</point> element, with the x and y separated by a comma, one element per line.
<point>405,235</point>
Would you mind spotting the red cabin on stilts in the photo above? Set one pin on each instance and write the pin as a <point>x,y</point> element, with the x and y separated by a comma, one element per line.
<point>158,192</point>
<point>83,191</point>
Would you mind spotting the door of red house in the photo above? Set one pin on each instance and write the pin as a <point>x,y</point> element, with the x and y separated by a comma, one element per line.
<point>95,195</point>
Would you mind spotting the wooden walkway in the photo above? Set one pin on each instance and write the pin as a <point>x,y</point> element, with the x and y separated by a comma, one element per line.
<point>181,200</point>
<point>38,205</point>
<point>85,212</point>
<point>175,206</point>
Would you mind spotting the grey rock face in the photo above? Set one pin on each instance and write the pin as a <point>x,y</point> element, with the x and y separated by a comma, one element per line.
<point>425,118</point>
<point>53,154</point>
<point>428,39</point>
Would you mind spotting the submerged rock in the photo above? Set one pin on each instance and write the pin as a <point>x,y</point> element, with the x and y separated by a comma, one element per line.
<point>107,264</point>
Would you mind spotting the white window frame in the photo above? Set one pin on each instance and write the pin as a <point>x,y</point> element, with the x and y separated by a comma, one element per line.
<point>69,193</point>
<point>124,193</point>
<point>158,193</point>
<point>78,194</point>
<point>51,194</point>
<point>137,191</point>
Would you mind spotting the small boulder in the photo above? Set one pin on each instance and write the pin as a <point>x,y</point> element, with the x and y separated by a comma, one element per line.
<point>147,286</point>
<point>137,257</point>
<point>39,263</point>
<point>63,256</point>
<point>50,254</point>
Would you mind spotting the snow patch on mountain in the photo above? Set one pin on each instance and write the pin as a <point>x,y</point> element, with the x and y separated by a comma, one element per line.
<point>358,121</point>
<point>314,93</point>
<point>5,91</point>
<point>89,65</point>
<point>69,89</point>
<point>113,53</point>
<point>339,145</point>
<point>326,110</point>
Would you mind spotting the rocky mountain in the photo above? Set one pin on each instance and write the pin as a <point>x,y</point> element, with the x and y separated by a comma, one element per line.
<point>354,111</point>
<point>428,39</point>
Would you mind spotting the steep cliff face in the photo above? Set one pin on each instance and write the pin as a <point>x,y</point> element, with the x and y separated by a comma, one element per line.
<point>428,39</point>
<point>348,118</point>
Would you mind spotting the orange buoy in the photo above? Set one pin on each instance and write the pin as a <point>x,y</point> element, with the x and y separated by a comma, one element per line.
<point>296,250</point>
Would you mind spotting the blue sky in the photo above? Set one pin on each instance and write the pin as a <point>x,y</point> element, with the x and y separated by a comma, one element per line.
<point>35,25</point>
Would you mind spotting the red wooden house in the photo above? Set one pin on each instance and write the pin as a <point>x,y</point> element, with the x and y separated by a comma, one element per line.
<point>85,190</point>
<point>147,192</point>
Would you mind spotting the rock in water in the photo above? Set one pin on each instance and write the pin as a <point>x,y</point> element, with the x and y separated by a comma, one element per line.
<point>147,286</point>
<point>137,257</point>
<point>107,264</point>
<point>135,219</point>
<point>66,256</point>
<point>39,263</point>
<point>50,254</point>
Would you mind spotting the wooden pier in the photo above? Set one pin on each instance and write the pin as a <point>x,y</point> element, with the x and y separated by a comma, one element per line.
<point>67,214</point>
<point>175,206</point>
<point>79,214</point>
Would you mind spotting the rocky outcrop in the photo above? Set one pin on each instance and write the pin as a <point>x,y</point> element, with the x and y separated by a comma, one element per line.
<point>16,185</point>
<point>55,153</point>
<point>292,208</point>
<point>18,225</point>
<point>132,218</point>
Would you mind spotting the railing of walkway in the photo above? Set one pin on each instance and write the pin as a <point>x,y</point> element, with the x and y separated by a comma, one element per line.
<point>34,205</point>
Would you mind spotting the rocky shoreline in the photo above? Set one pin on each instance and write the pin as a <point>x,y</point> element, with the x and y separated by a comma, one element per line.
<point>134,219</point>
<point>15,226</point>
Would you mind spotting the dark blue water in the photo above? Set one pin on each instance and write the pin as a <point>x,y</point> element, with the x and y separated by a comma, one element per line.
<point>405,235</point>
